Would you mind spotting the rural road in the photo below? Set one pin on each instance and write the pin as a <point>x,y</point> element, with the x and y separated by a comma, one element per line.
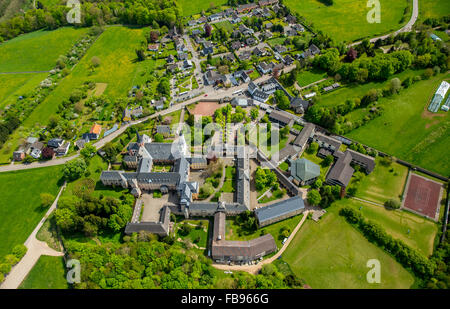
<point>36,248</point>
<point>254,269</point>
<point>213,95</point>
<point>405,28</point>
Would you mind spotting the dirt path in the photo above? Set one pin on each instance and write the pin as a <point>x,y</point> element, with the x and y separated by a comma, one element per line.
<point>36,248</point>
<point>254,269</point>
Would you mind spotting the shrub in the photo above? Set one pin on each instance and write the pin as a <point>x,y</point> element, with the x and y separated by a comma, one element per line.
<point>19,251</point>
<point>392,204</point>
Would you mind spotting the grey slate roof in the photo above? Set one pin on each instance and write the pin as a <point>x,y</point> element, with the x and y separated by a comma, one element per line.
<point>304,170</point>
<point>279,209</point>
<point>304,135</point>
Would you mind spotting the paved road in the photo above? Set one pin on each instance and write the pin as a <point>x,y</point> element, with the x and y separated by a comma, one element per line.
<point>254,269</point>
<point>406,28</point>
<point>213,95</point>
<point>36,248</point>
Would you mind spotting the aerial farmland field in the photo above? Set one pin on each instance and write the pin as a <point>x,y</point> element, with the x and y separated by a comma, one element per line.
<point>346,20</point>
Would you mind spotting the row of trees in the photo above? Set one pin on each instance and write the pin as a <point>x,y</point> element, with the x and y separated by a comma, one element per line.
<point>405,255</point>
<point>8,261</point>
<point>133,12</point>
<point>144,262</point>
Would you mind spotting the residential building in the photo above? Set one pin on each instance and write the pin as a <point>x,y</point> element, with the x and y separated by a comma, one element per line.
<point>55,142</point>
<point>299,105</point>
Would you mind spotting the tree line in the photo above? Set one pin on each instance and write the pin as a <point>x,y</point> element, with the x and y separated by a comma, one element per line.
<point>131,12</point>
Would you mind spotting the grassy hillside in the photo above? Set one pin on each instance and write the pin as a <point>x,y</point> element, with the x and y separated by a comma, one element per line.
<point>346,20</point>
<point>20,209</point>
<point>332,254</point>
<point>433,8</point>
<point>415,231</point>
<point>37,51</point>
<point>191,7</point>
<point>14,85</point>
<point>407,131</point>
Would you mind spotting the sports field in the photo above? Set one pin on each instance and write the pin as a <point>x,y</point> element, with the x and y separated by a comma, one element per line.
<point>407,131</point>
<point>346,20</point>
<point>433,8</point>
<point>415,231</point>
<point>39,50</point>
<point>332,254</point>
<point>48,273</point>
<point>20,209</point>
<point>423,196</point>
<point>384,183</point>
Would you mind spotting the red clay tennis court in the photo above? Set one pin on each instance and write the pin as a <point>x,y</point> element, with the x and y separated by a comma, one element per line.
<point>422,196</point>
<point>205,108</point>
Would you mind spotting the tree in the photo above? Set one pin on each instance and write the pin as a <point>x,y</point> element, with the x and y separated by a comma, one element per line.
<point>395,85</point>
<point>208,30</point>
<point>392,204</point>
<point>95,61</point>
<point>164,86</point>
<point>328,160</point>
<point>154,36</point>
<point>88,151</point>
<point>140,53</point>
<point>352,54</point>
<point>313,197</point>
<point>282,100</point>
<point>159,138</point>
<point>313,147</point>
<point>47,200</point>
<point>254,113</point>
<point>74,169</point>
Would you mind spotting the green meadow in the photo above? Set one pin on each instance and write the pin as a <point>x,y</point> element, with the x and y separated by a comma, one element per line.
<point>12,86</point>
<point>48,273</point>
<point>433,8</point>
<point>408,131</point>
<point>346,20</point>
<point>415,231</point>
<point>191,7</point>
<point>384,183</point>
<point>20,209</point>
<point>332,254</point>
<point>39,50</point>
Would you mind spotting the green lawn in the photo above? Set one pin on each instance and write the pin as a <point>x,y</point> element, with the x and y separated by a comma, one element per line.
<point>20,209</point>
<point>48,273</point>
<point>197,233</point>
<point>233,230</point>
<point>118,69</point>
<point>405,131</point>
<point>383,184</point>
<point>308,77</point>
<point>226,25</point>
<point>353,91</point>
<point>346,20</point>
<point>433,8</point>
<point>397,223</point>
<point>39,50</point>
<point>12,86</point>
<point>332,254</point>
<point>191,7</point>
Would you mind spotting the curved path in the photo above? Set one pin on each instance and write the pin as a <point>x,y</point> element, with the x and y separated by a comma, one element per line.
<point>36,248</point>
<point>405,28</point>
<point>254,269</point>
